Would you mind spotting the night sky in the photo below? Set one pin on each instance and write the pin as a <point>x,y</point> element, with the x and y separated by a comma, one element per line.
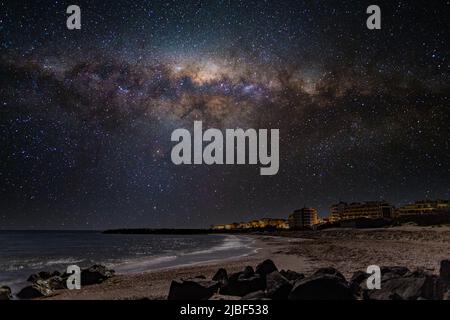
<point>86,115</point>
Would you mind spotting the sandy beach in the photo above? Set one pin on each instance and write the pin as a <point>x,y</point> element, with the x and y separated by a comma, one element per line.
<point>348,250</point>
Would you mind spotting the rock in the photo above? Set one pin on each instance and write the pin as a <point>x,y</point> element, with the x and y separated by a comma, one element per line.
<point>358,283</point>
<point>95,274</point>
<point>411,287</point>
<point>57,283</point>
<point>265,267</point>
<point>359,277</point>
<point>292,275</point>
<point>248,272</point>
<point>43,285</point>
<point>388,273</point>
<point>234,277</point>
<point>217,296</point>
<point>277,286</point>
<point>5,293</point>
<point>321,287</point>
<point>401,271</point>
<point>257,295</point>
<point>440,288</point>
<point>250,284</point>
<point>330,271</point>
<point>444,272</point>
<point>30,292</point>
<point>43,275</point>
<point>240,285</point>
<point>40,288</point>
<point>192,289</point>
<point>399,283</point>
<point>446,295</point>
<point>221,276</point>
<point>33,277</point>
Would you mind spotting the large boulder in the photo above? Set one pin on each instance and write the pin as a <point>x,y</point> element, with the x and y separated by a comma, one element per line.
<point>43,285</point>
<point>5,293</point>
<point>358,283</point>
<point>443,282</point>
<point>277,286</point>
<point>248,272</point>
<point>329,271</point>
<point>95,274</point>
<point>393,272</point>
<point>265,267</point>
<point>400,271</point>
<point>359,278</point>
<point>444,272</point>
<point>30,292</point>
<point>411,286</point>
<point>240,284</point>
<point>321,286</point>
<point>292,275</point>
<point>192,289</point>
<point>43,275</point>
<point>446,295</point>
<point>57,283</point>
<point>221,276</point>
<point>40,288</point>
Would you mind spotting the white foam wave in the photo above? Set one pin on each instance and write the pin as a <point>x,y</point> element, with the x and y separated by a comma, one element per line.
<point>137,265</point>
<point>230,242</point>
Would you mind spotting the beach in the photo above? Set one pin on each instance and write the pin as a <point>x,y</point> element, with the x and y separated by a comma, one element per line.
<point>347,250</point>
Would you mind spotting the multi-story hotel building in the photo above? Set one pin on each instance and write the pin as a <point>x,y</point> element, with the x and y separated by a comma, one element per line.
<point>423,207</point>
<point>336,210</point>
<point>355,210</point>
<point>303,218</point>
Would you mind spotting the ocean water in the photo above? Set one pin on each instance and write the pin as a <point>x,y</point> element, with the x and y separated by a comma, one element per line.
<point>26,252</point>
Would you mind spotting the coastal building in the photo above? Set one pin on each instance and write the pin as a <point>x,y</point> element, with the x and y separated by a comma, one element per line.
<point>254,224</point>
<point>336,211</point>
<point>245,225</point>
<point>423,207</point>
<point>276,223</point>
<point>229,226</point>
<point>303,218</point>
<point>357,210</point>
<point>323,220</point>
<point>218,227</point>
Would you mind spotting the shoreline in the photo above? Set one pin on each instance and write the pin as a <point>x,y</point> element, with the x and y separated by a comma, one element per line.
<point>231,247</point>
<point>348,250</point>
<point>252,249</point>
<point>154,284</point>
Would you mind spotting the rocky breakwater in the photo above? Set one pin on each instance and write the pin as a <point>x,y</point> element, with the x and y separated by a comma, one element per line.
<point>266,282</point>
<point>46,283</point>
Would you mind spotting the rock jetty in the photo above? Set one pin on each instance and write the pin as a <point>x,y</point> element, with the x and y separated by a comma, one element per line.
<point>266,282</point>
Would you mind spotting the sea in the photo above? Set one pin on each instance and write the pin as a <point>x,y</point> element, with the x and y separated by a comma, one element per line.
<point>23,253</point>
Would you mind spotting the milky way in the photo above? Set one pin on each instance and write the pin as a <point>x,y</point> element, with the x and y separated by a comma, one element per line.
<point>86,115</point>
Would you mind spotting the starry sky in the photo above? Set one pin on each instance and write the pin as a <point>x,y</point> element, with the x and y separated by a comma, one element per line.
<point>86,115</point>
